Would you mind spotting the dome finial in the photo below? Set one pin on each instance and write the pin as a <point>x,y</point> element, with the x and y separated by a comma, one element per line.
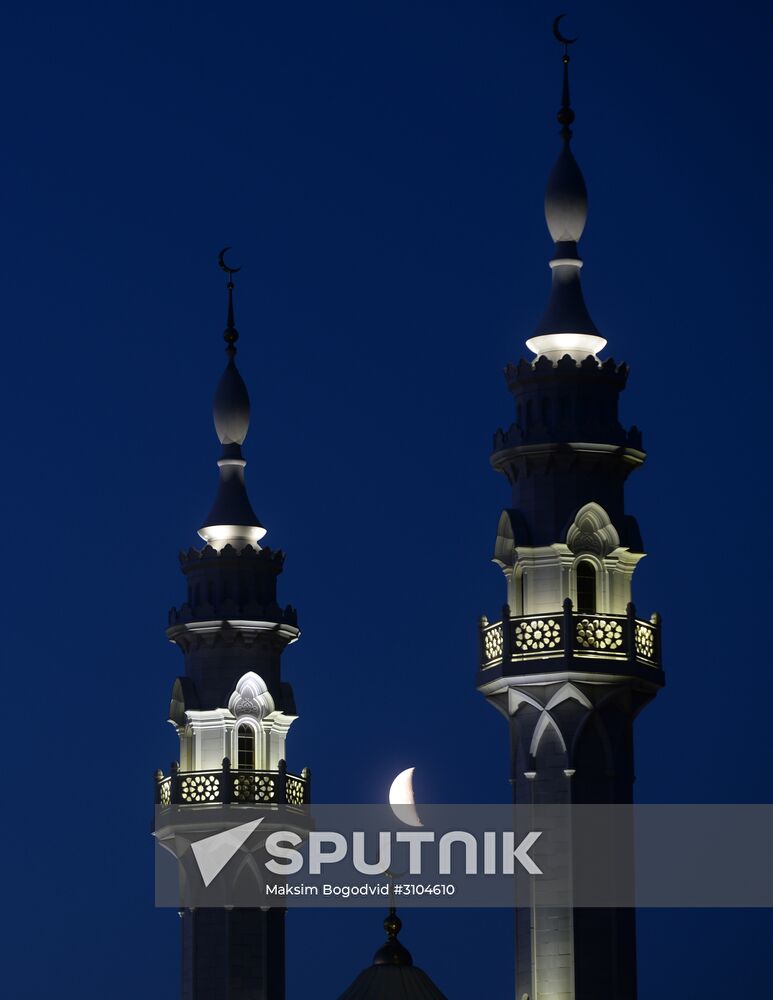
<point>231,334</point>
<point>566,327</point>
<point>232,521</point>
<point>565,115</point>
<point>393,952</point>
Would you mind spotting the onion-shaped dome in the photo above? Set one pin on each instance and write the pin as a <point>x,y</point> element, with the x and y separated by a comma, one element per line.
<point>231,408</point>
<point>566,326</point>
<point>566,199</point>
<point>231,521</point>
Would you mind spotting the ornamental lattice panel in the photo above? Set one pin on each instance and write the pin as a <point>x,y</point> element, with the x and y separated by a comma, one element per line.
<point>535,634</point>
<point>599,633</point>
<point>644,638</point>
<point>493,643</point>
<point>253,788</point>
<point>199,788</point>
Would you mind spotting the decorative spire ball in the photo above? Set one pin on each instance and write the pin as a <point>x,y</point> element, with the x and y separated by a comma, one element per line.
<point>565,114</point>
<point>566,326</point>
<point>231,410</point>
<point>392,953</point>
<point>231,334</point>
<point>232,521</point>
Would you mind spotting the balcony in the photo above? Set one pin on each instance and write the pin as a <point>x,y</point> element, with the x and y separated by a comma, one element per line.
<point>229,786</point>
<point>572,636</point>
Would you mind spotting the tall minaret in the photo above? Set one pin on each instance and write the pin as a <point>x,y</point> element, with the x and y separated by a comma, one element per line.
<point>231,708</point>
<point>571,664</point>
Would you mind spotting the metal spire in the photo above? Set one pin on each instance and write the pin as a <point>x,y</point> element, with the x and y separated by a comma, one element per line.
<point>231,334</point>
<point>565,115</point>
<point>566,327</point>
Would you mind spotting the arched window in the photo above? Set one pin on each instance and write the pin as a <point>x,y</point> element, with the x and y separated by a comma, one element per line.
<point>246,747</point>
<point>586,587</point>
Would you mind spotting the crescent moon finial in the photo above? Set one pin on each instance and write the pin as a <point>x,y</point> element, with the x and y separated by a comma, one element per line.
<point>231,334</point>
<point>565,114</point>
<point>223,266</point>
<point>566,42</point>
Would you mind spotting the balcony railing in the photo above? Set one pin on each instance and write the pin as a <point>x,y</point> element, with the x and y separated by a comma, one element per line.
<point>233,786</point>
<point>570,634</point>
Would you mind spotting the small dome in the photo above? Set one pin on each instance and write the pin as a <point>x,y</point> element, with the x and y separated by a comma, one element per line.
<point>231,409</point>
<point>392,952</point>
<point>393,976</point>
<point>566,199</point>
<point>392,982</point>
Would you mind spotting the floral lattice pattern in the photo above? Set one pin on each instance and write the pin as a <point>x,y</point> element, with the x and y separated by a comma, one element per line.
<point>165,792</point>
<point>537,633</point>
<point>264,789</point>
<point>599,633</point>
<point>253,788</point>
<point>294,792</point>
<point>493,643</point>
<point>244,788</point>
<point>199,788</point>
<point>645,641</point>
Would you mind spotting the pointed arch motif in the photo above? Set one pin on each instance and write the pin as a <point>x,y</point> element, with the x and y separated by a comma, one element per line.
<point>246,745</point>
<point>592,531</point>
<point>546,721</point>
<point>516,698</point>
<point>251,697</point>
<point>564,693</point>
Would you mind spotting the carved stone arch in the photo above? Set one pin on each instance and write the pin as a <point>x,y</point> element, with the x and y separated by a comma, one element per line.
<point>567,691</point>
<point>546,722</point>
<point>592,532</point>
<point>525,713</point>
<point>516,698</point>
<point>251,697</point>
<point>249,867</point>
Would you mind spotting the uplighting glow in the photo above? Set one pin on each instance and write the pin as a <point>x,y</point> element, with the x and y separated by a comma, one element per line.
<point>238,535</point>
<point>576,345</point>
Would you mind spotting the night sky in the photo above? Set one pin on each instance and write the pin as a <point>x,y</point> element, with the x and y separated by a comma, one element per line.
<point>379,170</point>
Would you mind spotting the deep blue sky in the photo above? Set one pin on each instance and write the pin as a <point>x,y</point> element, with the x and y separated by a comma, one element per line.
<point>379,171</point>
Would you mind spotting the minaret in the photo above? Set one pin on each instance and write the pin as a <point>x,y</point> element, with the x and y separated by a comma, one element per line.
<point>571,664</point>
<point>231,708</point>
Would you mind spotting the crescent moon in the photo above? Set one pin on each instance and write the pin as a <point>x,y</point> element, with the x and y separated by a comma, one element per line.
<point>222,263</point>
<point>557,31</point>
<point>401,798</point>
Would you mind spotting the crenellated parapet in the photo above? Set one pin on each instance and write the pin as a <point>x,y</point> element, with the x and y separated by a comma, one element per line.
<point>545,430</point>
<point>543,365</point>
<point>232,584</point>
<point>230,610</point>
<point>566,401</point>
<point>567,446</point>
<point>195,556</point>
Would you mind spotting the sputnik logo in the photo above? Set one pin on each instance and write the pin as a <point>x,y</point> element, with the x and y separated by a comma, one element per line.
<point>212,854</point>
